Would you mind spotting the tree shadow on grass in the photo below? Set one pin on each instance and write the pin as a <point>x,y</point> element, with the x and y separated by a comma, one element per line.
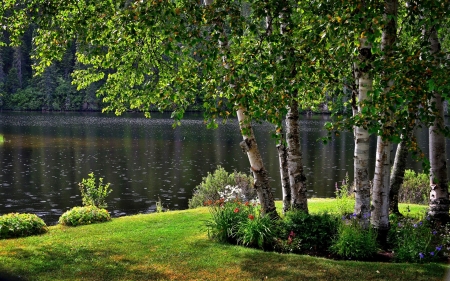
<point>74,263</point>
<point>273,266</point>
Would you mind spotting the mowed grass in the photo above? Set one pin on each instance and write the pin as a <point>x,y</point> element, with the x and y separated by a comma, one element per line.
<point>175,246</point>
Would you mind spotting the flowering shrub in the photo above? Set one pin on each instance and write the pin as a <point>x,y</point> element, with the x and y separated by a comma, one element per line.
<point>21,225</point>
<point>415,241</point>
<point>208,190</point>
<point>84,215</point>
<point>354,242</point>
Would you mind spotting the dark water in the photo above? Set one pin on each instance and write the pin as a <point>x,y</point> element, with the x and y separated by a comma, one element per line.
<point>45,156</point>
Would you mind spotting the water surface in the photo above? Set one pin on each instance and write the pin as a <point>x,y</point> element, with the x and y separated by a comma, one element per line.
<point>45,156</point>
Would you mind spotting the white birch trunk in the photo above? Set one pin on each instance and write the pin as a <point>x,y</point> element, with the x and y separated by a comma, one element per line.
<point>381,181</point>
<point>361,154</point>
<point>439,201</point>
<point>284,174</point>
<point>261,184</point>
<point>299,200</point>
<point>381,184</point>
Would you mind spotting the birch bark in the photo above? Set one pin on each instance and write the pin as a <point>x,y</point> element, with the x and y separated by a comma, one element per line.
<point>261,184</point>
<point>439,201</point>
<point>361,154</point>
<point>381,181</point>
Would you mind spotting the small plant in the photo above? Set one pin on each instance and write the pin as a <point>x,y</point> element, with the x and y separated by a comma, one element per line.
<point>84,215</point>
<point>212,184</point>
<point>344,198</point>
<point>21,225</point>
<point>92,194</point>
<point>415,241</point>
<point>354,242</point>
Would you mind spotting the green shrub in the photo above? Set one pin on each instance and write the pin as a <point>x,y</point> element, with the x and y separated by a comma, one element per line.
<point>415,188</point>
<point>21,225</point>
<point>213,184</point>
<point>93,195</point>
<point>315,231</point>
<point>415,241</point>
<point>84,215</point>
<point>354,242</point>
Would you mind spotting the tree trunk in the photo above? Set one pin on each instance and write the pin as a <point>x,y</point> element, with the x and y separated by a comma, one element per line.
<point>381,181</point>
<point>439,202</point>
<point>398,173</point>
<point>256,164</point>
<point>380,189</point>
<point>361,154</point>
<point>299,200</point>
<point>285,186</point>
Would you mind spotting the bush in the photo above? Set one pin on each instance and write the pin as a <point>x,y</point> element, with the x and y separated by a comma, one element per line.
<point>315,232</point>
<point>211,186</point>
<point>21,225</point>
<point>84,215</point>
<point>415,241</point>
<point>354,242</point>
<point>93,195</point>
<point>415,188</point>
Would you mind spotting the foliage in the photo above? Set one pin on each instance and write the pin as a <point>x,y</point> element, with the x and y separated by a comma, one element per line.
<point>345,198</point>
<point>214,184</point>
<point>415,188</point>
<point>92,194</point>
<point>353,241</point>
<point>84,215</point>
<point>314,231</point>
<point>21,225</point>
<point>415,241</point>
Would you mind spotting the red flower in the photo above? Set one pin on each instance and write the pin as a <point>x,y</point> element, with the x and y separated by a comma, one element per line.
<point>251,217</point>
<point>236,210</point>
<point>246,203</point>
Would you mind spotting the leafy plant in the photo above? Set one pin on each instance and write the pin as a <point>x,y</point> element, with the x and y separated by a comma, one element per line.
<point>415,241</point>
<point>255,231</point>
<point>213,184</point>
<point>354,242</point>
<point>21,225</point>
<point>92,194</point>
<point>226,218</point>
<point>84,215</point>
<point>315,231</point>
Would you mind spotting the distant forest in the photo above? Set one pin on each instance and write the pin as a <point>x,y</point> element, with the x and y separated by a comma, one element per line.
<point>51,91</point>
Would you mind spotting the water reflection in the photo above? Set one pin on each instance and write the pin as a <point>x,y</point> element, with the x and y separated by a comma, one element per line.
<point>45,155</point>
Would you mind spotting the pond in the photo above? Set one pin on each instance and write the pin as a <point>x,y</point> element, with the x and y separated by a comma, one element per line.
<point>45,155</point>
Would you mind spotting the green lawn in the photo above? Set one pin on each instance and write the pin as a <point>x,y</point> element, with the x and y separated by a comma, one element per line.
<point>175,246</point>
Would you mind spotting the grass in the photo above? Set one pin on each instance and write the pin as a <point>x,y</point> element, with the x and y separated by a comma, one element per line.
<point>175,246</point>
